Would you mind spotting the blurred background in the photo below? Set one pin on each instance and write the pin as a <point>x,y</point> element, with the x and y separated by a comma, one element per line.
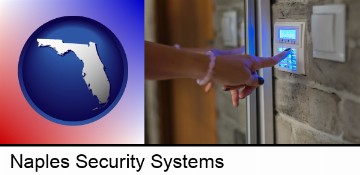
<point>320,107</point>
<point>179,111</point>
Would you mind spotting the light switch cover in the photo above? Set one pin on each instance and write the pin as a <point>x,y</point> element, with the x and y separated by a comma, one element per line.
<point>323,32</point>
<point>328,32</point>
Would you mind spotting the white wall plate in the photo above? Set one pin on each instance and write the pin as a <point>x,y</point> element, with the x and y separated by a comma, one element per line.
<point>328,32</point>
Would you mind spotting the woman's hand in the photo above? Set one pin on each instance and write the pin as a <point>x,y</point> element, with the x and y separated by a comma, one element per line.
<point>238,72</point>
<point>237,51</point>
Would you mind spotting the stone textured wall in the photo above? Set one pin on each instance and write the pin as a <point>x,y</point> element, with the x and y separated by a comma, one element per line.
<point>324,105</point>
<point>321,107</point>
<point>231,121</point>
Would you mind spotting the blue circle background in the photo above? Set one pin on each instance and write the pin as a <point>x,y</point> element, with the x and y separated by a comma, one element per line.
<point>53,84</point>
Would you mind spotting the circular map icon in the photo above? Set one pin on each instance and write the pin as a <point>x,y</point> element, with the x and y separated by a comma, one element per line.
<point>73,70</point>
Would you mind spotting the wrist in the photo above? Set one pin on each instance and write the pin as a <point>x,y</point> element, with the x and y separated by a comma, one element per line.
<point>210,70</point>
<point>196,63</point>
<point>200,66</point>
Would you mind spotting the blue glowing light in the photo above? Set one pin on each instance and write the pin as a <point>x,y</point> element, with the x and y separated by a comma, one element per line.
<point>287,34</point>
<point>290,61</point>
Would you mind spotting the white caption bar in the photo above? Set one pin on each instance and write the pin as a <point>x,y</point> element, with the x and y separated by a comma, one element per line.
<point>179,160</point>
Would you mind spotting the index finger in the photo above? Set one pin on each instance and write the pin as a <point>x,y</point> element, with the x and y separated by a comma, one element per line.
<point>272,61</point>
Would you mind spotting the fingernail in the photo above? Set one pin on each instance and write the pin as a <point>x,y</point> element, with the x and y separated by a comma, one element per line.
<point>261,80</point>
<point>226,89</point>
<point>287,49</point>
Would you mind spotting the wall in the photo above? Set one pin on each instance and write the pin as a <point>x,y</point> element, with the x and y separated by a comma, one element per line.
<point>321,107</point>
<point>231,122</point>
<point>324,105</point>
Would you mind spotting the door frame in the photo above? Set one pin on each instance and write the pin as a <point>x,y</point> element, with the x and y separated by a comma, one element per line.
<point>260,109</point>
<point>251,100</point>
<point>265,102</point>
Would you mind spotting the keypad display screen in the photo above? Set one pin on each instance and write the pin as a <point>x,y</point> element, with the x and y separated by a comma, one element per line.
<point>287,34</point>
<point>290,61</point>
